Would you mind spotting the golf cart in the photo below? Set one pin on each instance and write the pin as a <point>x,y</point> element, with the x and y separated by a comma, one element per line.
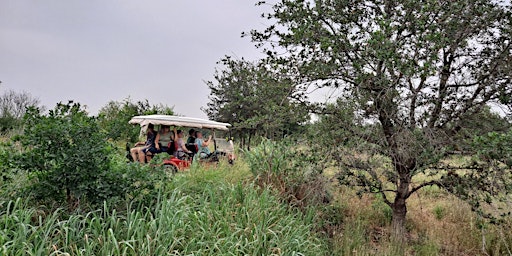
<point>223,148</point>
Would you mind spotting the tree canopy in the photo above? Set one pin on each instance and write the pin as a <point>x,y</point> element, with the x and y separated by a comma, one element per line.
<point>256,98</point>
<point>416,69</point>
<point>114,117</point>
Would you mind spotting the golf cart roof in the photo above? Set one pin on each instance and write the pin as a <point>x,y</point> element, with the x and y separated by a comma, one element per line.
<point>180,121</point>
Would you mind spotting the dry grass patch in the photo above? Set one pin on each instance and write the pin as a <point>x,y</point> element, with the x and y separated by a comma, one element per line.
<point>438,224</point>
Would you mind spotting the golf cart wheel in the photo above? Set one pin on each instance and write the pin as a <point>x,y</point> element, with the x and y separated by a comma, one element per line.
<point>170,168</point>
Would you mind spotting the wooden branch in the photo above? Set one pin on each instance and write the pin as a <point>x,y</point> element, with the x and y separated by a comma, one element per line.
<point>430,183</point>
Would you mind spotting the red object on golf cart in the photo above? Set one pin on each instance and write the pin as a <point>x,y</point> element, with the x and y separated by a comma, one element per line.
<point>220,145</point>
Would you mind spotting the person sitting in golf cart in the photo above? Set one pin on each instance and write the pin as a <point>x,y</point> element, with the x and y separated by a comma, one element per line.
<point>202,145</point>
<point>163,139</point>
<point>191,141</point>
<point>191,136</point>
<point>182,149</point>
<point>138,153</point>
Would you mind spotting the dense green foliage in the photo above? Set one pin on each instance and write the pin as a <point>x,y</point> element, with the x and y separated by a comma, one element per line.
<point>69,160</point>
<point>286,207</point>
<point>293,172</point>
<point>114,117</point>
<point>257,99</point>
<point>82,198</point>
<point>65,152</point>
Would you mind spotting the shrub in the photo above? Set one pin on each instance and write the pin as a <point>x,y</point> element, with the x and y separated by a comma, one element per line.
<point>66,155</point>
<point>5,161</point>
<point>113,118</point>
<point>382,213</point>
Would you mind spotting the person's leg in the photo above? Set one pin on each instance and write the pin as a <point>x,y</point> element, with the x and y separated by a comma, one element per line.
<point>142,154</point>
<point>133,153</point>
<point>148,156</point>
<point>148,153</point>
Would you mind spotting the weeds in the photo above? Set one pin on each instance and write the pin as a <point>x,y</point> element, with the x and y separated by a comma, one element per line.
<point>439,212</point>
<point>223,210</point>
<point>290,171</point>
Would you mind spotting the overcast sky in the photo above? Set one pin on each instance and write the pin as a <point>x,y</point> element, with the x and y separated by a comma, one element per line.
<point>96,51</point>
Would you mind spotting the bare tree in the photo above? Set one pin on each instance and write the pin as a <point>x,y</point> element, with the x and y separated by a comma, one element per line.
<point>13,106</point>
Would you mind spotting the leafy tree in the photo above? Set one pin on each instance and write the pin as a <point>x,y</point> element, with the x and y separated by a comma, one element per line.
<point>256,98</point>
<point>416,69</point>
<point>67,154</point>
<point>12,108</point>
<point>477,124</point>
<point>115,115</point>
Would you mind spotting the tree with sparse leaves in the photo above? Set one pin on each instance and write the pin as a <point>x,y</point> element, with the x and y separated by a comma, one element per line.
<point>12,108</point>
<point>413,71</point>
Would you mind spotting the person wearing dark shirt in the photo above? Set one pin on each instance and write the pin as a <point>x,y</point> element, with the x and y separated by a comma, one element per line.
<point>191,137</point>
<point>138,153</point>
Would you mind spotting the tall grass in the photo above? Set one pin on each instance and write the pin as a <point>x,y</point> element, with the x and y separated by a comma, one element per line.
<point>203,216</point>
<point>225,210</point>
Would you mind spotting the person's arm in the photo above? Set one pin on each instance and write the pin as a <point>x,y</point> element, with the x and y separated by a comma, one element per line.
<point>207,142</point>
<point>157,139</point>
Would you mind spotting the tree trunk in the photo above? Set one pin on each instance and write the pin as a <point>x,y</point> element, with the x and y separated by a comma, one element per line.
<point>242,140</point>
<point>399,205</point>
<point>69,199</point>
<point>249,142</point>
<point>399,208</point>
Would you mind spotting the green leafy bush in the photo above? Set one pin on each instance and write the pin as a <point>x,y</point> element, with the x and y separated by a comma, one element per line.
<point>382,213</point>
<point>5,160</point>
<point>439,212</point>
<point>66,154</point>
